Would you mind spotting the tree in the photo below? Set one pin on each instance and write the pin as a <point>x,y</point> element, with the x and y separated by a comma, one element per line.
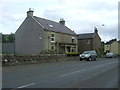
<point>11,38</point>
<point>8,38</point>
<point>111,41</point>
<point>101,49</point>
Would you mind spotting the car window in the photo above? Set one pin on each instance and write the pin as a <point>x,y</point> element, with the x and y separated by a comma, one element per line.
<point>94,53</point>
<point>111,53</point>
<point>107,53</point>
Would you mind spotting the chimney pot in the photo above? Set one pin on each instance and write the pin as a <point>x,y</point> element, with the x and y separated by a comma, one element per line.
<point>62,21</point>
<point>95,30</point>
<point>30,12</point>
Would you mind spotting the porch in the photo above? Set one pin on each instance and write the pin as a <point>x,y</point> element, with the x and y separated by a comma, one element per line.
<point>68,47</point>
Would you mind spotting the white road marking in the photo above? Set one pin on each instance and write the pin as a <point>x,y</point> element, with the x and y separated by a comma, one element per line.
<point>26,85</point>
<point>72,72</point>
<point>86,69</point>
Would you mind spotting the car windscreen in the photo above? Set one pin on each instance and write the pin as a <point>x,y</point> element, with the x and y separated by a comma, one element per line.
<point>86,52</point>
<point>109,54</point>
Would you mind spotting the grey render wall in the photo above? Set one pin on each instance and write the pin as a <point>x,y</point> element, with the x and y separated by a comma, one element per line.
<point>27,37</point>
<point>8,48</point>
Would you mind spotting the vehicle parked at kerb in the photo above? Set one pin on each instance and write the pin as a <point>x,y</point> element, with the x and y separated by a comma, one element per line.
<point>110,55</point>
<point>88,55</point>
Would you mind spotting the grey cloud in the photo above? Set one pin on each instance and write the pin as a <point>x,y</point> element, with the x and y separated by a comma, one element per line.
<point>78,21</point>
<point>51,14</point>
<point>55,14</point>
<point>84,25</point>
<point>99,5</point>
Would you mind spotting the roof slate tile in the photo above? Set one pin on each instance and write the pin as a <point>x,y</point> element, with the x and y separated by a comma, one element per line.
<point>54,26</point>
<point>86,36</point>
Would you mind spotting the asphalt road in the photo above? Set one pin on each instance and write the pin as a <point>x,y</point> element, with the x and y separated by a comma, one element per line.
<point>102,73</point>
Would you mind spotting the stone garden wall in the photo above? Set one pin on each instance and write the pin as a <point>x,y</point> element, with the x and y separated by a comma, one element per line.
<point>13,60</point>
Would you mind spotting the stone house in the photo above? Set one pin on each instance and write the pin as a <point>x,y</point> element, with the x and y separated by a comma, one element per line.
<point>107,48</point>
<point>89,41</point>
<point>36,35</point>
<point>112,47</point>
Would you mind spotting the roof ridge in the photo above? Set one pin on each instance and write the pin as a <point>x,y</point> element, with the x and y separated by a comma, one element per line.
<point>85,33</point>
<point>38,22</point>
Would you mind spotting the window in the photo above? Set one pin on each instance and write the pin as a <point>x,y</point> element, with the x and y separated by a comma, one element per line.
<point>88,42</point>
<point>52,38</point>
<point>52,47</point>
<point>73,39</point>
<point>40,37</point>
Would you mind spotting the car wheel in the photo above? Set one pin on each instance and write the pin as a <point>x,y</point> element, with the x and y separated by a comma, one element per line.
<point>80,59</point>
<point>95,59</point>
<point>89,59</point>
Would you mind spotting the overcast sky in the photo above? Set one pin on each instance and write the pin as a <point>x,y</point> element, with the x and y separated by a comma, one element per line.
<point>80,15</point>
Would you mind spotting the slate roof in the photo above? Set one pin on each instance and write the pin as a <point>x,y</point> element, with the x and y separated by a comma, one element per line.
<point>54,26</point>
<point>86,36</point>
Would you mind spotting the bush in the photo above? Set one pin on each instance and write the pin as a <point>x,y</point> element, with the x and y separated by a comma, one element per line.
<point>72,54</point>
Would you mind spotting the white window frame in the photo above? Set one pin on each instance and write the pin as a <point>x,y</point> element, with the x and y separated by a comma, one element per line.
<point>53,37</point>
<point>73,39</point>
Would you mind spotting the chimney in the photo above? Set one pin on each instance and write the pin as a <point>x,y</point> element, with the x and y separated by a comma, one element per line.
<point>30,12</point>
<point>62,21</point>
<point>95,30</point>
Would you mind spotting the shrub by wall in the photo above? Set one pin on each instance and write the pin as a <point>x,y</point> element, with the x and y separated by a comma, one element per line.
<point>72,54</point>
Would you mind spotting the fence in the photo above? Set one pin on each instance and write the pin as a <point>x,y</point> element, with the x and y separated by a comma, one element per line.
<point>8,48</point>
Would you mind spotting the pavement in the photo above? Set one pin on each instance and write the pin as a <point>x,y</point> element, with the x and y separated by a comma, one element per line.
<point>102,73</point>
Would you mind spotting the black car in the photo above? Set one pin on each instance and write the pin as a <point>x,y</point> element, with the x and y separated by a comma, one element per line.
<point>88,55</point>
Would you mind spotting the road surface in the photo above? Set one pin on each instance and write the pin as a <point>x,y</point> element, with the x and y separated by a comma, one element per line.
<point>102,73</point>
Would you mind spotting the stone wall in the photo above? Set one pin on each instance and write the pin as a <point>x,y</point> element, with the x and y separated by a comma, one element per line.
<point>13,60</point>
<point>59,38</point>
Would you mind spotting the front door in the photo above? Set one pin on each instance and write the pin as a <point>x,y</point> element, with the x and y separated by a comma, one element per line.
<point>68,48</point>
